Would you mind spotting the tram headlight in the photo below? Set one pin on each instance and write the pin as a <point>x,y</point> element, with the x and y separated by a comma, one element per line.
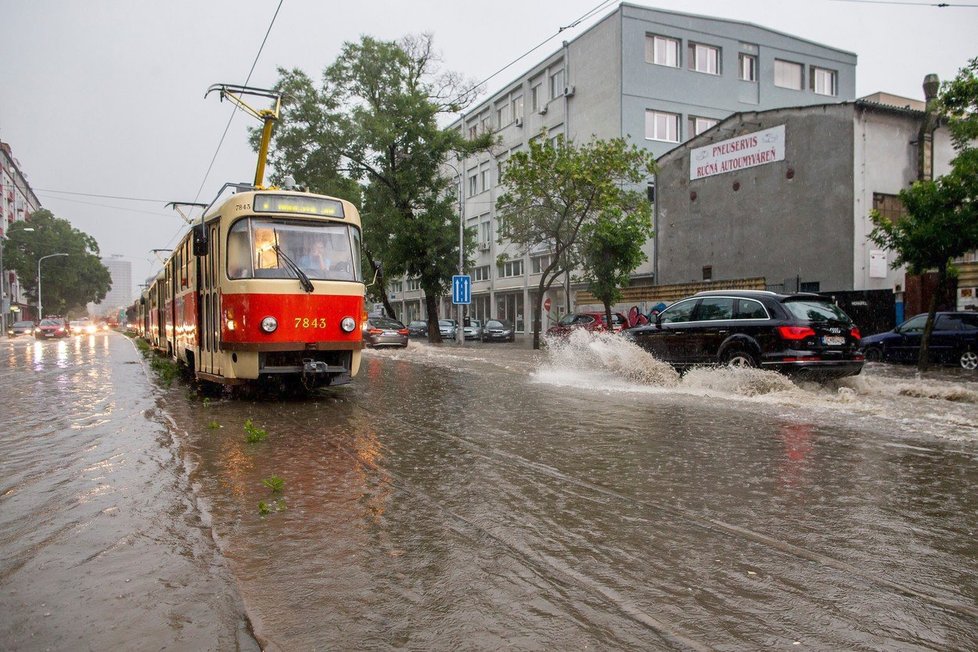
<point>269,324</point>
<point>348,324</point>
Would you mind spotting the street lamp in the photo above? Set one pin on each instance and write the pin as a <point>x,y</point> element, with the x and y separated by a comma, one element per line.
<point>40,313</point>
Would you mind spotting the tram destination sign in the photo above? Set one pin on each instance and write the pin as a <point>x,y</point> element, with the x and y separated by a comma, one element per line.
<point>746,151</point>
<point>303,205</point>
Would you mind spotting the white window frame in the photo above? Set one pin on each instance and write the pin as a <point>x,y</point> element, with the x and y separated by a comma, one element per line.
<point>659,124</point>
<point>704,58</point>
<point>536,96</point>
<point>481,273</point>
<point>698,125</point>
<point>824,81</point>
<point>510,268</point>
<point>662,50</point>
<point>517,106</point>
<point>748,67</point>
<point>789,74</point>
<point>473,185</point>
<point>557,83</point>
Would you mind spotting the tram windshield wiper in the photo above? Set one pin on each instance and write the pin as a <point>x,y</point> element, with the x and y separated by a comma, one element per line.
<point>303,278</point>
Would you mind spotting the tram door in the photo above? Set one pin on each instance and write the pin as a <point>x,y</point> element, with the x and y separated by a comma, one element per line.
<point>208,305</point>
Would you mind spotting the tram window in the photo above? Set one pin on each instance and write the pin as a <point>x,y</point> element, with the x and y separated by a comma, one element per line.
<point>324,251</point>
<point>239,251</point>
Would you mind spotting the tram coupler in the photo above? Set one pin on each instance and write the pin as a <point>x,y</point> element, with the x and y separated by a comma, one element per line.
<point>313,367</point>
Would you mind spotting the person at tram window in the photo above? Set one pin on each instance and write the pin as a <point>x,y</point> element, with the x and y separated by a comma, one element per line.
<point>315,261</point>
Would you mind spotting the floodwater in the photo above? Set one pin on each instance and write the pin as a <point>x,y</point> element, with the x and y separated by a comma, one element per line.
<point>491,496</point>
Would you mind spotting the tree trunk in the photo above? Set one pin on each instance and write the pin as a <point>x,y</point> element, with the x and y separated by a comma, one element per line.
<point>431,304</point>
<point>923,359</point>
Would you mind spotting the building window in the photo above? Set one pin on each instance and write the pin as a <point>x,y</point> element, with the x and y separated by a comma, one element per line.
<point>662,51</point>
<point>511,268</point>
<point>748,67</point>
<point>650,192</point>
<point>485,179</point>
<point>662,126</point>
<point>481,273</point>
<point>540,263</point>
<point>888,206</point>
<point>708,272</point>
<point>484,233</point>
<point>502,115</point>
<point>823,81</point>
<point>704,58</point>
<point>473,132</point>
<point>788,74</point>
<point>809,286</point>
<point>397,286</point>
<point>699,125</point>
<point>536,98</point>
<point>486,124</point>
<point>557,84</point>
<point>518,108</point>
<point>413,284</point>
<point>473,185</point>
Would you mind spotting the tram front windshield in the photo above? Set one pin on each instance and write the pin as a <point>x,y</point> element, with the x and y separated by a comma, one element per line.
<point>262,248</point>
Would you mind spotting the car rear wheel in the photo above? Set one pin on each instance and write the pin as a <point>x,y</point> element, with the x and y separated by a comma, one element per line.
<point>969,360</point>
<point>874,354</point>
<point>739,358</point>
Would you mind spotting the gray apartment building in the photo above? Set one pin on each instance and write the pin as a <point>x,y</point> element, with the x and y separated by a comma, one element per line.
<point>656,78</point>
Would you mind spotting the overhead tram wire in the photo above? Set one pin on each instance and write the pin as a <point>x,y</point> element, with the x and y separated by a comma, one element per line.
<point>235,109</point>
<point>230,119</point>
<point>938,5</point>
<point>574,24</point>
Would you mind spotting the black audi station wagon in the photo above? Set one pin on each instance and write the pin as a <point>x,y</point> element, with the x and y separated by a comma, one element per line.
<point>803,333</point>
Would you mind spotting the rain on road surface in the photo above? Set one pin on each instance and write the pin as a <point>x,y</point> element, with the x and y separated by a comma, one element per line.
<point>492,496</point>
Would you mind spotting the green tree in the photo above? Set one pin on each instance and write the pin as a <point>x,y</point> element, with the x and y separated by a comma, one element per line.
<point>556,191</point>
<point>70,282</point>
<point>613,249</point>
<point>374,122</point>
<point>941,220</point>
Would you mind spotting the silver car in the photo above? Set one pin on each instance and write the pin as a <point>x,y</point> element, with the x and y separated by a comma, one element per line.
<point>472,329</point>
<point>447,328</point>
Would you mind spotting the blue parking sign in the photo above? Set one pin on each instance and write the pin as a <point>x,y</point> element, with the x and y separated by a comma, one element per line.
<point>461,289</point>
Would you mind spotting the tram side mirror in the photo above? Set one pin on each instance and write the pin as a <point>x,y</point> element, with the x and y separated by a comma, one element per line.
<point>200,240</point>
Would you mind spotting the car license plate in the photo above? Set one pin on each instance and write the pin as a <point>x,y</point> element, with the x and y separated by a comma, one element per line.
<point>833,340</point>
<point>390,332</point>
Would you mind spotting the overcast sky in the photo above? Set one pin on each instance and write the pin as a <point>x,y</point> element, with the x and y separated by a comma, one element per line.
<point>106,97</point>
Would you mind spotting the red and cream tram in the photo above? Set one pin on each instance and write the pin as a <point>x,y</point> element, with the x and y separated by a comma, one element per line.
<point>268,285</point>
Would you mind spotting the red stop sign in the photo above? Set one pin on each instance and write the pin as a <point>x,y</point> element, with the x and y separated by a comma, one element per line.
<point>546,304</point>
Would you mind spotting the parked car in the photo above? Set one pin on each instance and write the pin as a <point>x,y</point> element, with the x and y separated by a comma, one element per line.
<point>84,326</point>
<point>498,330</point>
<point>954,340</point>
<point>472,329</point>
<point>417,328</point>
<point>801,333</point>
<point>591,321</point>
<point>20,328</point>
<point>52,327</point>
<point>384,331</point>
<point>447,328</point>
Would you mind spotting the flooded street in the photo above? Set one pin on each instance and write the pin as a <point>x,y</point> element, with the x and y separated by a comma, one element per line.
<point>486,497</point>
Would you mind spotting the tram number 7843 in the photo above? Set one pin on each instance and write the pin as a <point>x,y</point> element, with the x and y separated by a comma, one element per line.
<point>310,322</point>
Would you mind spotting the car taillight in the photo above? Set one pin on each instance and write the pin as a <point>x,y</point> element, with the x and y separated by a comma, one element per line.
<point>375,331</point>
<point>403,331</point>
<point>795,333</point>
<point>855,333</point>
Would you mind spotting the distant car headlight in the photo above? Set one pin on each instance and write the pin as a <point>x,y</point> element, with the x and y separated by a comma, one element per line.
<point>348,324</point>
<point>269,324</point>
